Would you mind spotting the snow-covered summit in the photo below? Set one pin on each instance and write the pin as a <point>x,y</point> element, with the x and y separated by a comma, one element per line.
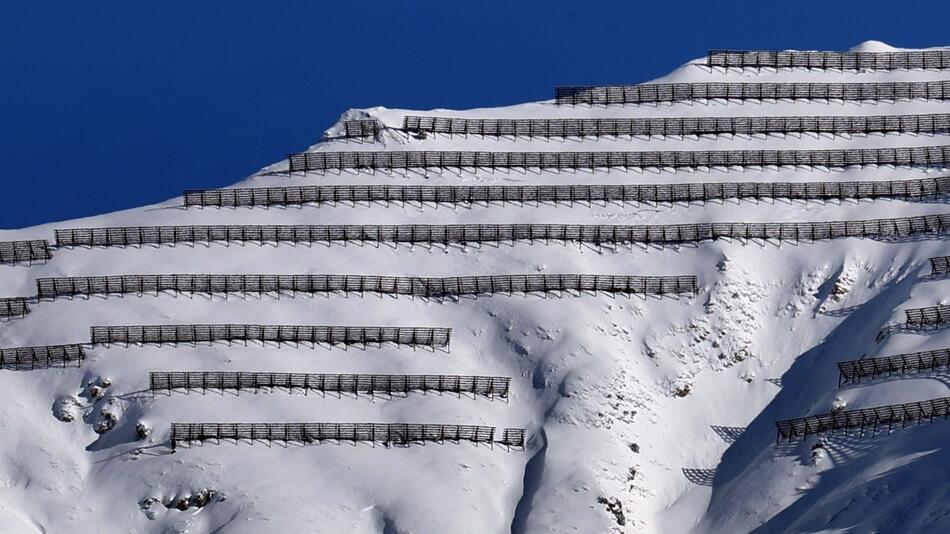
<point>873,46</point>
<point>643,414</point>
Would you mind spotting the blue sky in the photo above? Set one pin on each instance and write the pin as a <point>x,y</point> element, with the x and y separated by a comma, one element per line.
<point>109,105</point>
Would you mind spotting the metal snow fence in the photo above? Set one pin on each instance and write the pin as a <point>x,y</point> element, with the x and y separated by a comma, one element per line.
<point>396,160</point>
<point>677,92</point>
<point>389,433</point>
<point>663,126</point>
<point>486,386</point>
<point>24,251</point>
<point>395,285</point>
<point>779,59</point>
<point>940,266</point>
<point>929,316</point>
<point>867,418</point>
<point>895,228</point>
<point>209,333</point>
<point>23,358</point>
<point>13,307</point>
<point>854,371</point>
<point>361,128</point>
<point>687,192</point>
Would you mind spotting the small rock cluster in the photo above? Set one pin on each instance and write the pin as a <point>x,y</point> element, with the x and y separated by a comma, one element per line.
<point>615,507</point>
<point>194,500</point>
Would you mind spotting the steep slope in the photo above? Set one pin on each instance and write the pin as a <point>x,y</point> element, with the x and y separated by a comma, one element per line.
<point>644,414</point>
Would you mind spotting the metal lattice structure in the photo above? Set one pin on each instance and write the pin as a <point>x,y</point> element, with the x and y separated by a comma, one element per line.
<point>452,194</point>
<point>39,357</point>
<point>394,285</point>
<point>679,92</point>
<point>928,156</point>
<point>210,333</point>
<point>13,307</point>
<point>24,251</point>
<point>784,59</point>
<point>867,418</point>
<point>390,433</point>
<point>896,228</point>
<point>665,126</point>
<point>928,316</point>
<point>854,371</point>
<point>485,386</point>
<point>361,128</point>
<point>940,267</point>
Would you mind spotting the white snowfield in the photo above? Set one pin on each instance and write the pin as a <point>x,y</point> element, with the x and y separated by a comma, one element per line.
<point>643,414</point>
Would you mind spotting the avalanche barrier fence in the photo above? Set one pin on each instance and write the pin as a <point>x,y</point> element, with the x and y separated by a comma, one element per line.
<point>928,316</point>
<point>918,188</point>
<point>912,412</point>
<point>50,288</point>
<point>13,307</point>
<point>23,358</point>
<point>895,228</point>
<point>361,128</point>
<point>679,92</point>
<point>485,386</point>
<point>940,267</point>
<point>389,433</point>
<point>665,126</point>
<point>784,59</point>
<point>24,251</point>
<point>926,156</point>
<point>209,333</point>
<point>853,371</point>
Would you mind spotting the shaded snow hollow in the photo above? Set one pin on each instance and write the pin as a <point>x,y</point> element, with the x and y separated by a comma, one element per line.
<point>657,413</point>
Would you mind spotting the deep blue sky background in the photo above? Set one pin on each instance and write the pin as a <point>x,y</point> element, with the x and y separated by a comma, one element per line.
<point>108,105</point>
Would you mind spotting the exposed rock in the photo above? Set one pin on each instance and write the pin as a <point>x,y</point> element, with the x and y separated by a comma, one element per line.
<point>818,453</point>
<point>67,409</point>
<point>838,405</point>
<point>202,497</point>
<point>106,423</point>
<point>615,507</point>
<point>148,506</point>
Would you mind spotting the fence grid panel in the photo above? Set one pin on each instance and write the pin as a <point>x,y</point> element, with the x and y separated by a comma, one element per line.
<point>853,371</point>
<point>51,288</point>
<point>390,433</point>
<point>896,228</point>
<point>13,307</point>
<point>874,418</point>
<point>485,386</point>
<point>24,251</point>
<point>686,192</point>
<point>209,333</point>
<point>928,316</point>
<point>361,128</point>
<point>40,357</point>
<point>666,126</point>
<point>679,92</point>
<point>940,267</point>
<point>837,158</point>
<point>782,59</point>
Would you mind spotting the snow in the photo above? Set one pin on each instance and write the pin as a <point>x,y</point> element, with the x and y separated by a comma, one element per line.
<point>595,377</point>
<point>873,46</point>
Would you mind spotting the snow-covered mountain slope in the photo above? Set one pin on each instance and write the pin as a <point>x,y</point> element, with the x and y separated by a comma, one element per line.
<point>643,414</point>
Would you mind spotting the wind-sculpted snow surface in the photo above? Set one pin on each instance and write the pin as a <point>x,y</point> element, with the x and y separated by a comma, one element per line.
<point>644,411</point>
